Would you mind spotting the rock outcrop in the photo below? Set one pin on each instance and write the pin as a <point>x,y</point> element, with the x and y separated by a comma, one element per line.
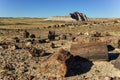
<point>76,16</point>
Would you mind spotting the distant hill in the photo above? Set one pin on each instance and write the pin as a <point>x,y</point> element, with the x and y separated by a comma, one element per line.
<point>75,16</point>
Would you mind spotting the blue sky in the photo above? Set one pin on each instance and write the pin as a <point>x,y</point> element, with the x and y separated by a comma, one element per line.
<point>47,8</point>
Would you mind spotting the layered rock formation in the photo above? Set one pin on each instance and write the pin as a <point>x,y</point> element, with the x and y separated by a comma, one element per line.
<point>76,16</point>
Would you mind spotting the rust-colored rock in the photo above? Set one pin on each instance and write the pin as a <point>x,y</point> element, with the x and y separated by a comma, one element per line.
<point>55,65</point>
<point>92,50</point>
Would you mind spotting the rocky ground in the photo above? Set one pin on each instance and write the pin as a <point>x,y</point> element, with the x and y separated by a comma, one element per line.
<point>18,62</point>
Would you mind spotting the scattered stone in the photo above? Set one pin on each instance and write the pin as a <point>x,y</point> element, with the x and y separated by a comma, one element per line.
<point>116,21</point>
<point>17,40</point>
<point>51,35</point>
<point>55,26</point>
<point>63,37</point>
<point>104,78</point>
<point>30,40</point>
<point>97,34</point>
<point>118,43</point>
<point>52,45</point>
<point>9,77</point>
<point>49,27</point>
<point>62,25</point>
<point>26,34</point>
<point>4,45</point>
<point>32,36</point>
<point>73,38</point>
<point>1,47</point>
<point>13,47</point>
<point>36,52</point>
<point>9,66</point>
<point>107,78</point>
<point>107,34</point>
<point>57,38</point>
<point>116,63</point>
<point>28,44</point>
<point>42,41</point>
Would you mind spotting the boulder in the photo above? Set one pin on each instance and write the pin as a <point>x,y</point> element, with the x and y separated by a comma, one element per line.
<point>55,65</point>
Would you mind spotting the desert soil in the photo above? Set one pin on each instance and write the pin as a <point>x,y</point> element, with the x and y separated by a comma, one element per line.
<point>18,64</point>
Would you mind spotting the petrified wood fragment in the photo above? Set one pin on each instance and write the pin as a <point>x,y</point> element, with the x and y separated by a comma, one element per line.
<point>52,45</point>
<point>63,37</point>
<point>16,39</point>
<point>36,52</point>
<point>55,65</point>
<point>92,50</point>
<point>32,36</point>
<point>51,35</point>
<point>26,34</point>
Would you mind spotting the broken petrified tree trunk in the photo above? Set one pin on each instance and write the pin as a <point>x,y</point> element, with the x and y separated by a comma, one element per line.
<point>55,65</point>
<point>92,51</point>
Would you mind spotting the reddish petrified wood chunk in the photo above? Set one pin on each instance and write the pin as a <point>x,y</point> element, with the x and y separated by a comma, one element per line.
<point>116,63</point>
<point>92,50</point>
<point>55,65</point>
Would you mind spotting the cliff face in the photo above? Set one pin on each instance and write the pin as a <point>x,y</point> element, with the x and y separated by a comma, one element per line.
<point>76,16</point>
<point>79,16</point>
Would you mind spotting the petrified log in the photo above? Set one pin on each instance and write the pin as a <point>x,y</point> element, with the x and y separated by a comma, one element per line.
<point>55,65</point>
<point>92,51</point>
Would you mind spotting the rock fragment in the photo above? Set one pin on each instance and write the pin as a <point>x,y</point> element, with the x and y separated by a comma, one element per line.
<point>36,52</point>
<point>26,34</point>
<point>51,35</point>
<point>116,63</point>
